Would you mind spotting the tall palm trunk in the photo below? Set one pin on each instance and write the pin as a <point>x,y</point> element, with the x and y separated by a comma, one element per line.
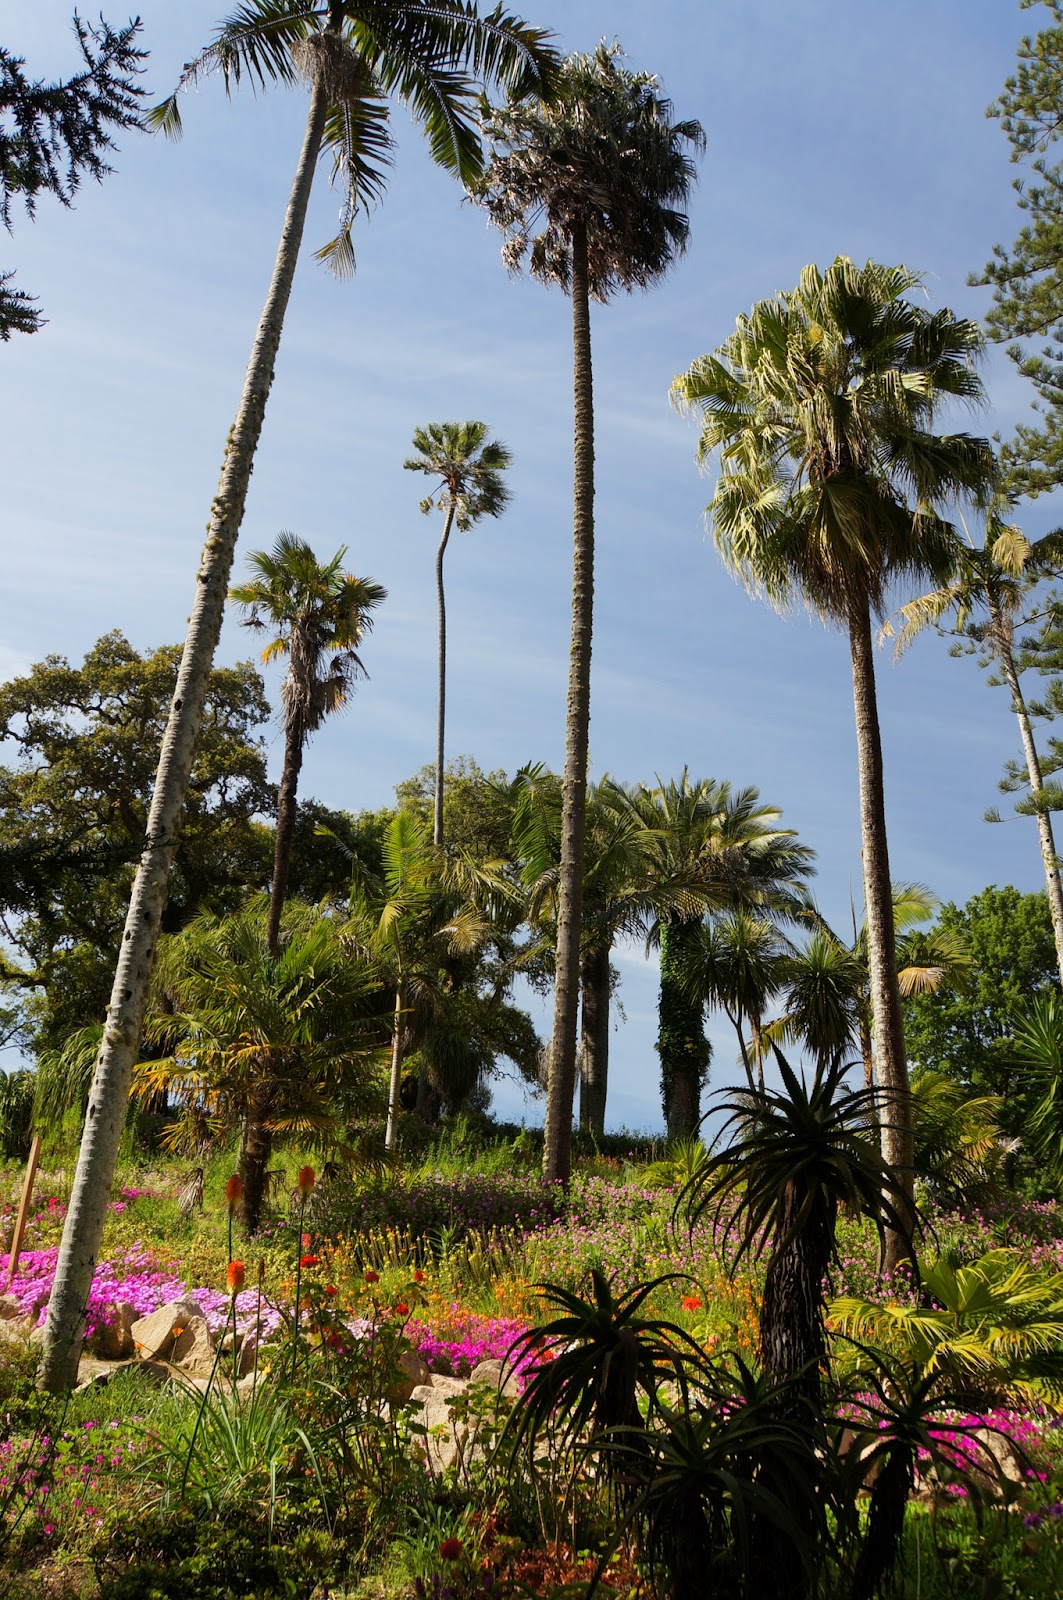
<point>561,1083</point>
<point>891,1061</point>
<point>594,1039</point>
<point>437,835</point>
<point>110,1090</point>
<point>282,851</point>
<point>1033,770</point>
<point>395,1082</point>
<point>681,1042</point>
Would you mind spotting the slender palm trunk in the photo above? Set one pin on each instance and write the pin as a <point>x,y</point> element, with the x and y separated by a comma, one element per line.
<point>437,835</point>
<point>561,1083</point>
<point>396,1067</point>
<point>110,1090</point>
<point>594,1039</point>
<point>1033,769</point>
<point>282,852</point>
<point>891,1061</point>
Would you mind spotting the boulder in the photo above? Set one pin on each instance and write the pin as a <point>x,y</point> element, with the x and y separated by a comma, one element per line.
<point>113,1339</point>
<point>411,1373</point>
<point>155,1335</point>
<point>494,1372</point>
<point>94,1373</point>
<point>9,1308</point>
<point>193,1349</point>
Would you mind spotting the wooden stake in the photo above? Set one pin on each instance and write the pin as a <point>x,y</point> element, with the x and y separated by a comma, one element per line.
<point>24,1206</point>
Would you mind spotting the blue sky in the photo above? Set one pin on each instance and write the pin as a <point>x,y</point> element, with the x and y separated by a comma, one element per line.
<point>833,126</point>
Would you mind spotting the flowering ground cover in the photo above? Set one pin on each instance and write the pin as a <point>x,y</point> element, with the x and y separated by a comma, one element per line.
<point>453,1269</point>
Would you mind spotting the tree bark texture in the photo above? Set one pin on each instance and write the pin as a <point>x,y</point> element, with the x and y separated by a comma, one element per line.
<point>681,1042</point>
<point>1044,820</point>
<point>258,1148</point>
<point>121,1037</point>
<point>441,710</point>
<point>594,1040</point>
<point>282,851</point>
<point>561,1082</point>
<point>890,1057</point>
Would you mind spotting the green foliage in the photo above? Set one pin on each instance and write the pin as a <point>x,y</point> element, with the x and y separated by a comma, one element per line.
<point>958,1148</point>
<point>968,1032</point>
<point>53,134</point>
<point>74,806</point>
<point>16,1113</point>
<point>1027,279</point>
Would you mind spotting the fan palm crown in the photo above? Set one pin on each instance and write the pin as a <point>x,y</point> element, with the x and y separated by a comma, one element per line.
<point>602,172</point>
<point>833,487</point>
<point>468,467</point>
<point>318,615</point>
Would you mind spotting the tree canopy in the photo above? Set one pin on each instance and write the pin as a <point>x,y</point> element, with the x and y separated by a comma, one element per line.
<point>967,1028</point>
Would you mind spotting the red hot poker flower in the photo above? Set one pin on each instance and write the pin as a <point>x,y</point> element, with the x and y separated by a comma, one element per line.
<point>307,1179</point>
<point>235,1277</point>
<point>234,1191</point>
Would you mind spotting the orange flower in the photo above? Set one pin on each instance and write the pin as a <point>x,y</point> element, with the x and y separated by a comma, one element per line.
<point>234,1191</point>
<point>372,1277</point>
<point>307,1240</point>
<point>310,1261</point>
<point>235,1277</point>
<point>450,1549</point>
<point>692,1303</point>
<point>307,1179</point>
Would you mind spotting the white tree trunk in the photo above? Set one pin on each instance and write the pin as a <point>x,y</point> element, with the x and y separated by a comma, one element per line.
<point>396,1068</point>
<point>121,1037</point>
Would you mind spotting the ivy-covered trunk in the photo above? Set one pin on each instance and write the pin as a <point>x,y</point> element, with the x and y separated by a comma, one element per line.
<point>561,1081</point>
<point>594,1040</point>
<point>681,1042</point>
<point>282,852</point>
<point>83,1231</point>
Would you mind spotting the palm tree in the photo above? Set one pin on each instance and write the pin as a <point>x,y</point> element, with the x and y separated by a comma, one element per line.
<point>616,898</point>
<point>265,1040</point>
<point>993,580</point>
<point>740,963</point>
<point>828,1004</point>
<point>832,484</point>
<point>469,467</point>
<point>605,171</point>
<point>354,55</point>
<point>319,614</point>
<point>711,848</point>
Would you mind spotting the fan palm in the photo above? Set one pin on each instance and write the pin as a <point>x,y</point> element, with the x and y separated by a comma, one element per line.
<point>355,55</point>
<point>319,614</point>
<point>262,1040</point>
<point>984,600</point>
<point>739,964</point>
<point>469,467</point>
<point>606,173</point>
<point>832,487</point>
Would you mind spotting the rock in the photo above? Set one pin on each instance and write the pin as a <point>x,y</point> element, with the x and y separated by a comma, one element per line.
<point>411,1374</point>
<point>113,1339</point>
<point>193,1349</point>
<point>444,1385</point>
<point>9,1308</point>
<point>493,1372</point>
<point>94,1373</point>
<point>993,1460</point>
<point>154,1335</point>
